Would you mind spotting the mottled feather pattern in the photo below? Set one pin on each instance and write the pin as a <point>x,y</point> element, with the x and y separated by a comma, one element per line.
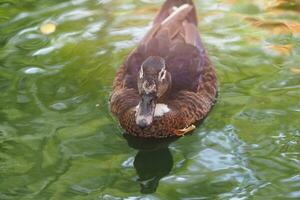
<point>194,83</point>
<point>186,107</point>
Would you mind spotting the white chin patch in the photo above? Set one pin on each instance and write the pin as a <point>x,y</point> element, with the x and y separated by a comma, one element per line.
<point>161,109</point>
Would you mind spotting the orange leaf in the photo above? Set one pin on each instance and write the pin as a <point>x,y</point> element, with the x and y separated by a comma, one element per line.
<point>294,27</point>
<point>282,49</point>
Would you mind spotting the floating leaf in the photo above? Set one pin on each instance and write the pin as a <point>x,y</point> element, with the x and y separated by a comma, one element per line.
<point>294,27</point>
<point>282,49</point>
<point>295,70</point>
<point>48,28</point>
<point>276,27</point>
<point>273,26</point>
<point>283,4</point>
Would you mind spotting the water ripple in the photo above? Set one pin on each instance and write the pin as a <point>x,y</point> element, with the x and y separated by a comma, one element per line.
<point>56,144</point>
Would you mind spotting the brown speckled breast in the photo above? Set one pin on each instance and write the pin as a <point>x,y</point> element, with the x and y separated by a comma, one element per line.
<point>187,107</point>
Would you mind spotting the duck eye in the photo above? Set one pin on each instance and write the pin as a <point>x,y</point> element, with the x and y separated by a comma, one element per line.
<point>162,74</point>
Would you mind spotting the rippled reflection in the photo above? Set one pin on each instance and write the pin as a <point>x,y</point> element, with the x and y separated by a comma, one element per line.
<point>58,139</point>
<point>152,162</point>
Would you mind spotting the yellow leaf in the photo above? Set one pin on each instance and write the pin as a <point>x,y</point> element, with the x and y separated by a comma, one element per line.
<point>295,70</point>
<point>48,28</point>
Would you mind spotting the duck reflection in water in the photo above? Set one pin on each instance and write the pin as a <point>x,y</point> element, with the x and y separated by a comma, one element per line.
<point>152,162</point>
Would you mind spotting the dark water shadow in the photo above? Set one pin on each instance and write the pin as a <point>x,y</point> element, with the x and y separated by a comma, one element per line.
<point>152,162</point>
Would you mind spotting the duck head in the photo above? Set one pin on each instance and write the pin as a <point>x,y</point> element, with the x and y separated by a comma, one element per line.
<point>153,82</point>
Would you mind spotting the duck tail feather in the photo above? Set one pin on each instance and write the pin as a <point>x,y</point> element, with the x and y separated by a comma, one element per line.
<point>168,7</point>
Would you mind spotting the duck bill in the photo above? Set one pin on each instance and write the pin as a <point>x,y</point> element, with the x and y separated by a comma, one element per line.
<point>145,111</point>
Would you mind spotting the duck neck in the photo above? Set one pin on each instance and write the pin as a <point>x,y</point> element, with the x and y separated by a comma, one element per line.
<point>165,96</point>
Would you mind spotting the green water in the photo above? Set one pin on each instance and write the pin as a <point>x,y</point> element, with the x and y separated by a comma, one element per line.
<point>59,141</point>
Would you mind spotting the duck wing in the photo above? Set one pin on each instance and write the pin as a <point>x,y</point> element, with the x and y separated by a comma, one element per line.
<point>173,36</point>
<point>168,7</point>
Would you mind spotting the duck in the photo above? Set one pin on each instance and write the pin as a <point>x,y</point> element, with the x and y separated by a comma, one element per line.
<point>167,84</point>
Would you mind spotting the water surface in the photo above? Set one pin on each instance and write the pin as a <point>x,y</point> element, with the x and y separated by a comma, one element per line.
<point>58,139</point>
